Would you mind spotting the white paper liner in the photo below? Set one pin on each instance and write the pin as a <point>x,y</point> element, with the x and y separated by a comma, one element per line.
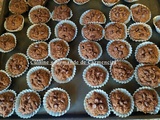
<point>15,76</point>
<point>11,113</point>
<point>130,1</point>
<point>121,5</point>
<point>16,30</point>
<point>61,3</point>
<point>34,25</point>
<point>135,5</point>
<point>68,79</point>
<point>146,25</point>
<point>127,44</point>
<point>80,3</point>
<point>98,45</point>
<point>9,80</point>
<point>137,78</point>
<point>54,40</point>
<point>107,99</point>
<point>34,69</point>
<point>109,4</point>
<point>157,108</point>
<point>81,18</point>
<point>33,45</point>
<point>35,8</point>
<point>155,19</point>
<point>132,103</point>
<point>95,65</point>
<point>71,14</point>
<point>103,32</point>
<point>11,34</point>
<point>144,44</point>
<point>125,28</point>
<point>56,114</point>
<point>26,116</point>
<point>121,81</point>
<point>68,22</point>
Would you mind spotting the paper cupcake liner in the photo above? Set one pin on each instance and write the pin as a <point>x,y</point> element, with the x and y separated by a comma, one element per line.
<point>15,39</point>
<point>15,76</point>
<point>99,46</point>
<point>155,19</point>
<point>157,108</point>
<point>144,44</point>
<point>125,27</point>
<point>33,58</point>
<point>61,3</point>
<point>35,8</point>
<point>25,116</point>
<point>68,79</point>
<point>128,45</point>
<point>16,30</point>
<point>103,32</point>
<point>132,103</point>
<point>121,81</point>
<point>11,113</point>
<point>9,79</point>
<point>81,18</point>
<point>49,48</point>
<point>121,5</point>
<point>32,26</point>
<point>138,23</point>
<point>107,99</point>
<point>34,69</point>
<point>56,114</point>
<point>135,5</point>
<point>95,65</point>
<point>109,4</point>
<point>68,22</point>
<point>71,14</point>
<point>130,1</point>
<point>80,3</point>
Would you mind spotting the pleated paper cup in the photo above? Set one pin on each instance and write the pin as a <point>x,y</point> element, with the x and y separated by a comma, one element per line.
<point>78,3</point>
<point>109,4</point>
<point>67,1</point>
<point>130,1</point>
<point>155,19</point>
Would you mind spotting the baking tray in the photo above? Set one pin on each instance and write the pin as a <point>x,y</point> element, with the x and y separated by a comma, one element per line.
<point>77,88</point>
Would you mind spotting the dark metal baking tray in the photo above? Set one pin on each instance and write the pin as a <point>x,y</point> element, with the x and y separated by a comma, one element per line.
<point>77,88</point>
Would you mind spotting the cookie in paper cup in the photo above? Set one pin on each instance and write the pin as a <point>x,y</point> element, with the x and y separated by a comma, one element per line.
<point>62,12</point>
<point>63,70</point>
<point>122,103</point>
<point>147,53</point>
<point>89,50</point>
<point>81,2</point>
<point>115,31</point>
<point>146,100</point>
<point>58,48</point>
<point>14,23</point>
<point>119,49</point>
<point>39,14</point>
<point>38,78</point>
<point>66,30</point>
<point>120,13</point>
<point>92,16</point>
<point>95,75</point>
<point>122,71</point>
<point>38,51</point>
<point>56,102</point>
<point>7,105</point>
<point>140,13</point>
<point>28,103</point>
<point>61,1</point>
<point>156,23</point>
<point>96,104</point>
<point>8,42</point>
<point>130,1</point>
<point>17,65</point>
<point>139,32</point>
<point>110,3</point>
<point>33,3</point>
<point>147,75</point>
<point>39,32</point>
<point>92,32</point>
